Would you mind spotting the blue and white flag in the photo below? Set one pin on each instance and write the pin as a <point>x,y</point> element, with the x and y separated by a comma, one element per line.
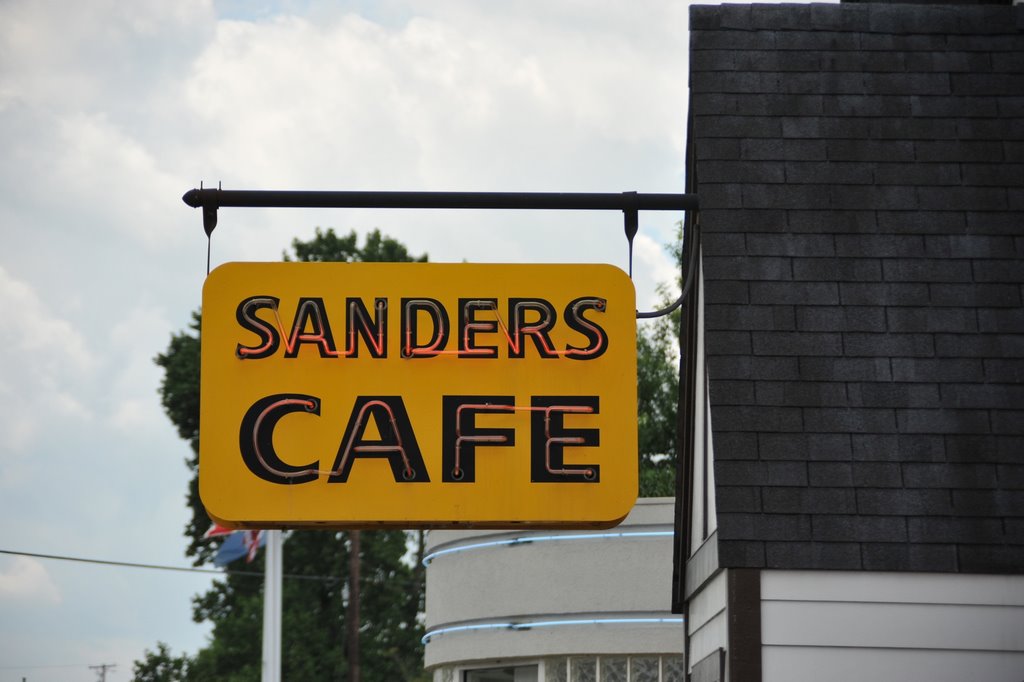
<point>242,543</point>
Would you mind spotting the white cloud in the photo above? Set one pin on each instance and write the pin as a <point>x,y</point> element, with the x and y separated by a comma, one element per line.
<point>44,355</point>
<point>97,55</point>
<point>452,95</point>
<point>459,95</point>
<point>26,579</point>
<point>109,111</point>
<point>653,263</point>
<point>101,166</point>
<point>133,377</point>
<point>29,327</point>
<point>88,95</point>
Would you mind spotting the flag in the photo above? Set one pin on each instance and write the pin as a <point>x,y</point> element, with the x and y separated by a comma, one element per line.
<point>238,544</point>
<point>217,530</point>
<point>253,540</point>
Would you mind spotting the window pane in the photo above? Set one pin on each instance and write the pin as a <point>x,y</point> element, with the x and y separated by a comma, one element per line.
<point>521,673</point>
<point>643,669</point>
<point>675,670</point>
<point>613,669</point>
<point>526,673</point>
<point>554,670</point>
<point>583,669</point>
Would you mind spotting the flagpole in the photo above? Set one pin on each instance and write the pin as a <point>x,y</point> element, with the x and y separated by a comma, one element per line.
<point>272,607</point>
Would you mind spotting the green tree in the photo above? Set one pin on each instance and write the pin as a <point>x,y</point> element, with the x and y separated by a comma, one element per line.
<point>657,391</point>
<point>161,666</point>
<point>657,369</point>
<point>314,635</point>
<point>328,247</point>
<point>314,632</point>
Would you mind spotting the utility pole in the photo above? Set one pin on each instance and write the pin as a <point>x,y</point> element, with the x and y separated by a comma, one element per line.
<point>101,670</point>
<point>352,617</point>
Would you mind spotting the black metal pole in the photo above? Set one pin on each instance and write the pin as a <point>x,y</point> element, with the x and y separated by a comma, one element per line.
<point>630,203</point>
<point>623,201</point>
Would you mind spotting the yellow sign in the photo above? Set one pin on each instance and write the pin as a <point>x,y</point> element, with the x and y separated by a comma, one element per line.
<point>418,395</point>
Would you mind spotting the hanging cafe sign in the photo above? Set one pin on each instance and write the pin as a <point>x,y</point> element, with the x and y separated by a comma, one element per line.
<point>420,395</point>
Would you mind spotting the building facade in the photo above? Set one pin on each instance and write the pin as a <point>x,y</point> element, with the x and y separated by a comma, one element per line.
<point>852,490</point>
<point>851,484</point>
<point>555,606</point>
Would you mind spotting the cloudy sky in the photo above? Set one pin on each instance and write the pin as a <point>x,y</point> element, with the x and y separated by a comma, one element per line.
<point>110,111</point>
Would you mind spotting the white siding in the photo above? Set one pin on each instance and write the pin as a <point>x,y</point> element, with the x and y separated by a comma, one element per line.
<point>883,665</point>
<point>707,626</point>
<point>708,623</point>
<point>697,501</point>
<point>703,468</point>
<point>712,506</point>
<point>887,626</point>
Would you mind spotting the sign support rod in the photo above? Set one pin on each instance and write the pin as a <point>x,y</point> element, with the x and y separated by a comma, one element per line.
<point>595,201</point>
<point>628,202</point>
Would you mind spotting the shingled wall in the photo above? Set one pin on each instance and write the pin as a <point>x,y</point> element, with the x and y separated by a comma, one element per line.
<point>861,175</point>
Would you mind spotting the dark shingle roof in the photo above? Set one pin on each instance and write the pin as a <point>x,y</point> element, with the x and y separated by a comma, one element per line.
<point>861,175</point>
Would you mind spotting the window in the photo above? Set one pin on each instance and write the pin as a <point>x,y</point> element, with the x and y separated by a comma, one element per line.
<point>519,673</point>
<point>583,669</point>
<point>650,668</point>
<point>643,669</point>
<point>614,669</point>
<point>673,669</point>
<point>555,670</point>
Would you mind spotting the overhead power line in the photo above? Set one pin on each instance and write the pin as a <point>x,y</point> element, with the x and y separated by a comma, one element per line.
<point>160,567</point>
<point>101,670</point>
<point>44,666</point>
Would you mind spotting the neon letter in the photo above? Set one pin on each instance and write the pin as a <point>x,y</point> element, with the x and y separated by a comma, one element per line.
<point>469,327</point>
<point>375,334</point>
<point>311,310</point>
<point>256,438</point>
<point>595,334</point>
<point>460,436</point>
<point>246,316</point>
<point>397,444</point>
<point>548,438</point>
<point>537,331</point>
<point>411,307</point>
